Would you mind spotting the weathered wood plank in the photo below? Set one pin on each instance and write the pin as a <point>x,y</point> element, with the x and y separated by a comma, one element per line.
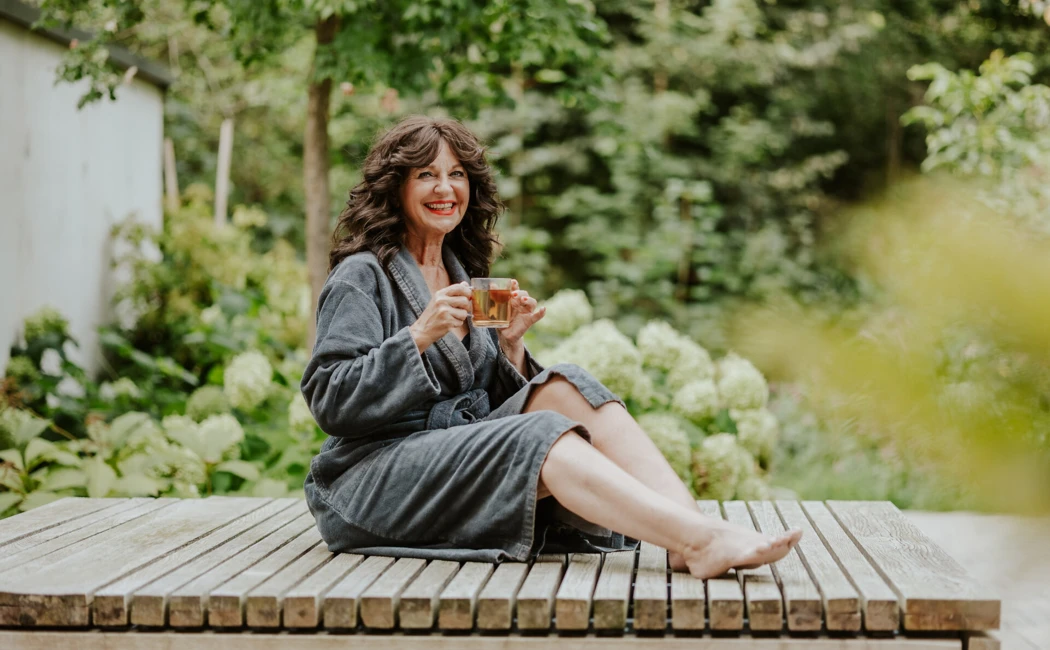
<point>50,515</point>
<point>572,605</point>
<point>765,607</point>
<point>496,602</point>
<point>342,604</point>
<point>419,602</point>
<point>459,600</point>
<point>302,604</point>
<point>264,604</point>
<point>111,603</point>
<point>881,612</point>
<point>59,592</point>
<point>211,640</point>
<point>935,592</point>
<point>725,596</point>
<point>188,605</point>
<point>841,600</point>
<point>650,589</point>
<point>981,641</point>
<point>612,594</point>
<point>379,602</point>
<point>537,593</point>
<point>226,602</point>
<point>149,603</point>
<point>31,547</point>
<point>804,609</point>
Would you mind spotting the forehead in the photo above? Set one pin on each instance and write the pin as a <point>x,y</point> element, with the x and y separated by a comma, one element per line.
<point>445,158</point>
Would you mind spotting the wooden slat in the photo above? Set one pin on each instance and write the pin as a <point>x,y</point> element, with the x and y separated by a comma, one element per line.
<point>419,602</point>
<point>211,640</point>
<point>31,547</point>
<point>459,600</point>
<point>803,606</point>
<point>879,607</point>
<point>537,593</point>
<point>572,605</point>
<point>189,604</point>
<point>841,600</point>
<point>50,515</point>
<point>226,601</point>
<point>496,602</point>
<point>111,603</point>
<point>59,592</point>
<point>765,608</point>
<point>263,605</point>
<point>149,604</point>
<point>302,604</point>
<point>342,604</point>
<point>612,594</point>
<point>380,601</point>
<point>981,641</point>
<point>650,589</point>
<point>725,596</point>
<point>935,592</point>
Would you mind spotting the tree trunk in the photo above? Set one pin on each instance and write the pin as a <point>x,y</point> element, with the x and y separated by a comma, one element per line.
<point>315,176</point>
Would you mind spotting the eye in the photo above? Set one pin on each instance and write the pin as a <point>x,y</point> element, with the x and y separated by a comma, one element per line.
<point>458,173</point>
<point>424,174</point>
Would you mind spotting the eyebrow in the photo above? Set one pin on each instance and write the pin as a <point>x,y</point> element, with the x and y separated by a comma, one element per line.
<point>456,166</point>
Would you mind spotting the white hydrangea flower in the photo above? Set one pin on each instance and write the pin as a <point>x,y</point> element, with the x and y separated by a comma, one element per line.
<point>697,401</point>
<point>122,387</point>
<point>52,401</point>
<point>247,380</point>
<point>220,434</point>
<point>299,416</point>
<point>567,311</point>
<point>752,488</point>
<point>70,387</point>
<point>665,348</point>
<point>740,383</point>
<point>211,315</point>
<point>671,439</point>
<point>51,362</point>
<point>757,430</point>
<point>605,352</point>
<point>720,465</point>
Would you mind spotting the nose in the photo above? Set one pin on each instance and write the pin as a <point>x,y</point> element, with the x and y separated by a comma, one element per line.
<point>443,186</point>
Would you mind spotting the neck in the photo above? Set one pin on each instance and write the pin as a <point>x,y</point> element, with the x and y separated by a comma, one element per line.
<point>426,251</point>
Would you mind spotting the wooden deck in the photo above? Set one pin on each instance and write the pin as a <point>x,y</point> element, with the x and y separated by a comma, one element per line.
<point>159,573</point>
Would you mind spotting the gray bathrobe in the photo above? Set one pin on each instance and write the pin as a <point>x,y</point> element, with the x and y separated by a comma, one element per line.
<point>430,455</point>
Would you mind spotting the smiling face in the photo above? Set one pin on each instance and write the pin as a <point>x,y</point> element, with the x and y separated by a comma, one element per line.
<point>434,198</point>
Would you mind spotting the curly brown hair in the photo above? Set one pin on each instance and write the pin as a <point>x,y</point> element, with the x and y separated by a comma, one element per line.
<point>372,220</point>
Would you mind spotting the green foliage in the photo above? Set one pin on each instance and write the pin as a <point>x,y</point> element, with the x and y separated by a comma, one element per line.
<point>679,396</point>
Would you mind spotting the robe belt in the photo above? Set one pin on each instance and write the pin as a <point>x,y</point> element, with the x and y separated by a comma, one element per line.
<point>459,410</point>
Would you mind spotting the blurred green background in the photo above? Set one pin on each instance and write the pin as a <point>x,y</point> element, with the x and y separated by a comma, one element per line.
<point>816,230</point>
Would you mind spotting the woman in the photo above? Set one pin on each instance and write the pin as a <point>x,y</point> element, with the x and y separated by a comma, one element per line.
<point>448,441</point>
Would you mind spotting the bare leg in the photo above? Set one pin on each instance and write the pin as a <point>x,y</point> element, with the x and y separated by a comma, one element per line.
<point>616,434</point>
<point>589,484</point>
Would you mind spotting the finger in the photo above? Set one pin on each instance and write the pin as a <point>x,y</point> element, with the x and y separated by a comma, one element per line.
<point>513,284</point>
<point>459,315</point>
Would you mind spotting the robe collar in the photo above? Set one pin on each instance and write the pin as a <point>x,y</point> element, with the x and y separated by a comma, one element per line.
<point>409,278</point>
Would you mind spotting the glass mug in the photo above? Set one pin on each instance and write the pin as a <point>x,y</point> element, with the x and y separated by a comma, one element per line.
<point>490,299</point>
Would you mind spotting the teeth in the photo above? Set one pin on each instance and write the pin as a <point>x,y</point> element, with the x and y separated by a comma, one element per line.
<point>439,206</point>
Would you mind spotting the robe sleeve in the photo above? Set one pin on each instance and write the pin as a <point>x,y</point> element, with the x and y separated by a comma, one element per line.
<point>357,381</point>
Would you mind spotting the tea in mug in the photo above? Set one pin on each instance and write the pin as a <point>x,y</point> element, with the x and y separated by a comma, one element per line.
<point>491,301</point>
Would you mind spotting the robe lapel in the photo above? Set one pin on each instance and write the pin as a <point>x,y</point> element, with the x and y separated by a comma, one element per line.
<point>410,281</point>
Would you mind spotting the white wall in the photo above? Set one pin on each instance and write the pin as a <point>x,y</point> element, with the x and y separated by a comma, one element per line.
<point>66,176</point>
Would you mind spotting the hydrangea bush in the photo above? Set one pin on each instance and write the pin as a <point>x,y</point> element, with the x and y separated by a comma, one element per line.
<point>199,393</point>
<point>707,417</point>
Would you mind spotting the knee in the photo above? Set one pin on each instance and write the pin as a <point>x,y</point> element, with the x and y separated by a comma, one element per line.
<point>554,394</point>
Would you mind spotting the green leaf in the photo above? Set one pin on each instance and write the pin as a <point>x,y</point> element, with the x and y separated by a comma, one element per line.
<point>14,457</point>
<point>9,499</point>
<point>269,487</point>
<point>30,428</point>
<point>38,448</point>
<point>100,478</point>
<point>123,427</point>
<point>242,468</point>
<point>39,498</point>
<point>63,478</point>
<point>138,485</point>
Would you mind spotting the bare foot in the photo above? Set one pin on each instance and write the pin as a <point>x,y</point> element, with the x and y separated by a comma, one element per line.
<point>733,547</point>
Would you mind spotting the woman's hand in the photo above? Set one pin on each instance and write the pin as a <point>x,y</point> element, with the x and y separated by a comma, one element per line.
<point>446,311</point>
<point>523,315</point>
